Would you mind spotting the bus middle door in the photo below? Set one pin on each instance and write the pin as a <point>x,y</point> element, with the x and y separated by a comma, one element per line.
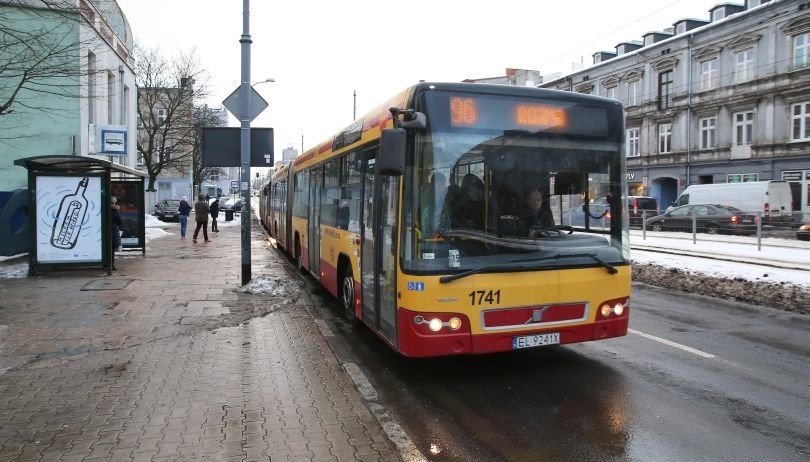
<point>314,228</point>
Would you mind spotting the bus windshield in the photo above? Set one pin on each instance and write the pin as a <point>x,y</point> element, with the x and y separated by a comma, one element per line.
<point>491,187</point>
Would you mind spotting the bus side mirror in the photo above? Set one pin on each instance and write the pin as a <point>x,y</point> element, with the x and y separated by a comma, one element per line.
<point>391,160</point>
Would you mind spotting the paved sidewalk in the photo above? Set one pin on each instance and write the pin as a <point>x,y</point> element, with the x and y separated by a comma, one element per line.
<point>168,360</point>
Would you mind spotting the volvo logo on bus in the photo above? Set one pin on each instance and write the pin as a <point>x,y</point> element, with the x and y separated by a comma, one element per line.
<point>537,315</point>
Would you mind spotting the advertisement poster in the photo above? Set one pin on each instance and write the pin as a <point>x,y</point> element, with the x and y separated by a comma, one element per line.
<point>68,219</point>
<point>127,193</point>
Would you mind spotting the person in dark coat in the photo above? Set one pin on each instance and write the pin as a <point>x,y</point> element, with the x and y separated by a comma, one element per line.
<point>538,213</point>
<point>116,225</point>
<point>214,214</point>
<point>201,212</point>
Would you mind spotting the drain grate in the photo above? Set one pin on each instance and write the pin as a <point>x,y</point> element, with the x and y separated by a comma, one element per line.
<point>107,284</point>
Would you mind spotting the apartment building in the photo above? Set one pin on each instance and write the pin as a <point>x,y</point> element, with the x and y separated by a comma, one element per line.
<point>68,88</point>
<point>715,100</point>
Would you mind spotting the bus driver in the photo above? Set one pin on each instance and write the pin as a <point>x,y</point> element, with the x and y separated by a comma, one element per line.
<point>539,212</point>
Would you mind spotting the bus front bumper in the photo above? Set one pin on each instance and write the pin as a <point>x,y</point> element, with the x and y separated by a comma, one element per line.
<point>415,340</point>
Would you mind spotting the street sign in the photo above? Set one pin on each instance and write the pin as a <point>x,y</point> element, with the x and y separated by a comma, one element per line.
<point>233,103</point>
<point>234,184</point>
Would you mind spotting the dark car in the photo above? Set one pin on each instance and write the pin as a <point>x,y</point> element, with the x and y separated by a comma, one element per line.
<point>230,203</point>
<point>803,233</point>
<point>712,219</point>
<point>640,208</point>
<point>167,210</point>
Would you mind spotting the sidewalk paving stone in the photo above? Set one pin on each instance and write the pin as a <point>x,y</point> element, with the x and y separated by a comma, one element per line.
<point>167,359</point>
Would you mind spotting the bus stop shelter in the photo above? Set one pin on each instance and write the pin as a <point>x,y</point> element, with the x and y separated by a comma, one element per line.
<point>70,211</point>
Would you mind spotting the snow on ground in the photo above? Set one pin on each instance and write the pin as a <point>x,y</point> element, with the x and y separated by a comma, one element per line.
<point>774,251</point>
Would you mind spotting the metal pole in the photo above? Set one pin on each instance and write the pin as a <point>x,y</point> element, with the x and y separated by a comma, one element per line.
<point>244,176</point>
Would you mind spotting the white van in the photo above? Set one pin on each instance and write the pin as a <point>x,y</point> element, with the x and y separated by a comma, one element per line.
<point>772,199</point>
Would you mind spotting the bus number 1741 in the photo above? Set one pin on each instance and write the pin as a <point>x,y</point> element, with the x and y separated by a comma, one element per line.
<point>479,297</point>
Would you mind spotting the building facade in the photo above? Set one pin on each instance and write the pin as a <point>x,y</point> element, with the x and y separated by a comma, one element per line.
<point>67,87</point>
<point>725,99</point>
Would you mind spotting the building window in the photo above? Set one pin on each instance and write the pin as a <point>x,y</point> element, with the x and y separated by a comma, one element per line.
<point>801,50</point>
<point>110,98</point>
<point>708,74</point>
<point>744,65</point>
<point>633,142</point>
<point>125,110</point>
<point>162,113</point>
<point>633,91</point>
<point>664,138</point>
<point>91,88</point>
<point>610,92</point>
<point>665,87</point>
<point>801,121</point>
<point>708,133</point>
<point>743,128</point>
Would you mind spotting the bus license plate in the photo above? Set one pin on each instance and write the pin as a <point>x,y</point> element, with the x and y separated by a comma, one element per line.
<point>529,341</point>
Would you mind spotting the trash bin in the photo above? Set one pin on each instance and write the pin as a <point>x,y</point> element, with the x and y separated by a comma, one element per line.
<point>229,215</point>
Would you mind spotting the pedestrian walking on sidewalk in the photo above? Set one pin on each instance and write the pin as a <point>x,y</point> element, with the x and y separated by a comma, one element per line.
<point>116,225</point>
<point>214,215</point>
<point>183,211</point>
<point>201,212</point>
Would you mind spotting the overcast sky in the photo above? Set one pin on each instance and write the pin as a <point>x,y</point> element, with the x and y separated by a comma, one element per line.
<point>320,52</point>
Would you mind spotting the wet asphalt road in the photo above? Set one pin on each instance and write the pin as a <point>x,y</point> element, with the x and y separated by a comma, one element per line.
<point>696,379</point>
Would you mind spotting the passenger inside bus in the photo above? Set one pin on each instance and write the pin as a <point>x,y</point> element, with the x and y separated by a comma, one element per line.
<point>432,204</point>
<point>468,206</point>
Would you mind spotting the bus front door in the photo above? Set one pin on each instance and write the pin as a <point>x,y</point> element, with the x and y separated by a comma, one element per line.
<point>378,258</point>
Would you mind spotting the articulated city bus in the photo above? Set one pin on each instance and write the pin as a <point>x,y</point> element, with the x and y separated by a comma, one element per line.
<point>461,218</point>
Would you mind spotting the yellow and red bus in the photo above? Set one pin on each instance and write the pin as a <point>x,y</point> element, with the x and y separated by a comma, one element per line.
<point>418,218</point>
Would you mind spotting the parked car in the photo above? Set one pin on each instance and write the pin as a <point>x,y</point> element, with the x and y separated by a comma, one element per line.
<point>230,203</point>
<point>803,233</point>
<point>712,219</point>
<point>640,208</point>
<point>167,210</point>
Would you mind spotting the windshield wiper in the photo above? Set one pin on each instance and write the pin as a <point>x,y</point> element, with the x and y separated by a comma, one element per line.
<point>464,274</point>
<point>610,268</point>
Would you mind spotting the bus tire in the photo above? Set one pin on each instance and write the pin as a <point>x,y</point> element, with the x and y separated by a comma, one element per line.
<point>347,294</point>
<point>297,256</point>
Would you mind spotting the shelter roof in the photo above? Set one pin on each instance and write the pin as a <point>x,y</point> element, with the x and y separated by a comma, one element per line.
<point>79,164</point>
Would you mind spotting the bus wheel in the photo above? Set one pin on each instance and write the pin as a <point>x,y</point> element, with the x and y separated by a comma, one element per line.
<point>347,293</point>
<point>298,256</point>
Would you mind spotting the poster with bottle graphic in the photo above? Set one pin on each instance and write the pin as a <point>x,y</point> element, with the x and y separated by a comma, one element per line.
<point>68,219</point>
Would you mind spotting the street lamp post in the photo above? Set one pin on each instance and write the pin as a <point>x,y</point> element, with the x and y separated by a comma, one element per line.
<point>244,177</point>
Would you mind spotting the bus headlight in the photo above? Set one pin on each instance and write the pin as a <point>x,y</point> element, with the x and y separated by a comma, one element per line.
<point>605,310</point>
<point>618,309</point>
<point>442,321</point>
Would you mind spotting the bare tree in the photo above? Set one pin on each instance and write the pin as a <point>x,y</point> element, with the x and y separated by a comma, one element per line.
<point>167,90</point>
<point>204,116</point>
<point>39,40</point>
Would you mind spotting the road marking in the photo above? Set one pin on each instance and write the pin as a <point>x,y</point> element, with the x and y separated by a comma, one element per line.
<point>396,434</point>
<point>672,344</point>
